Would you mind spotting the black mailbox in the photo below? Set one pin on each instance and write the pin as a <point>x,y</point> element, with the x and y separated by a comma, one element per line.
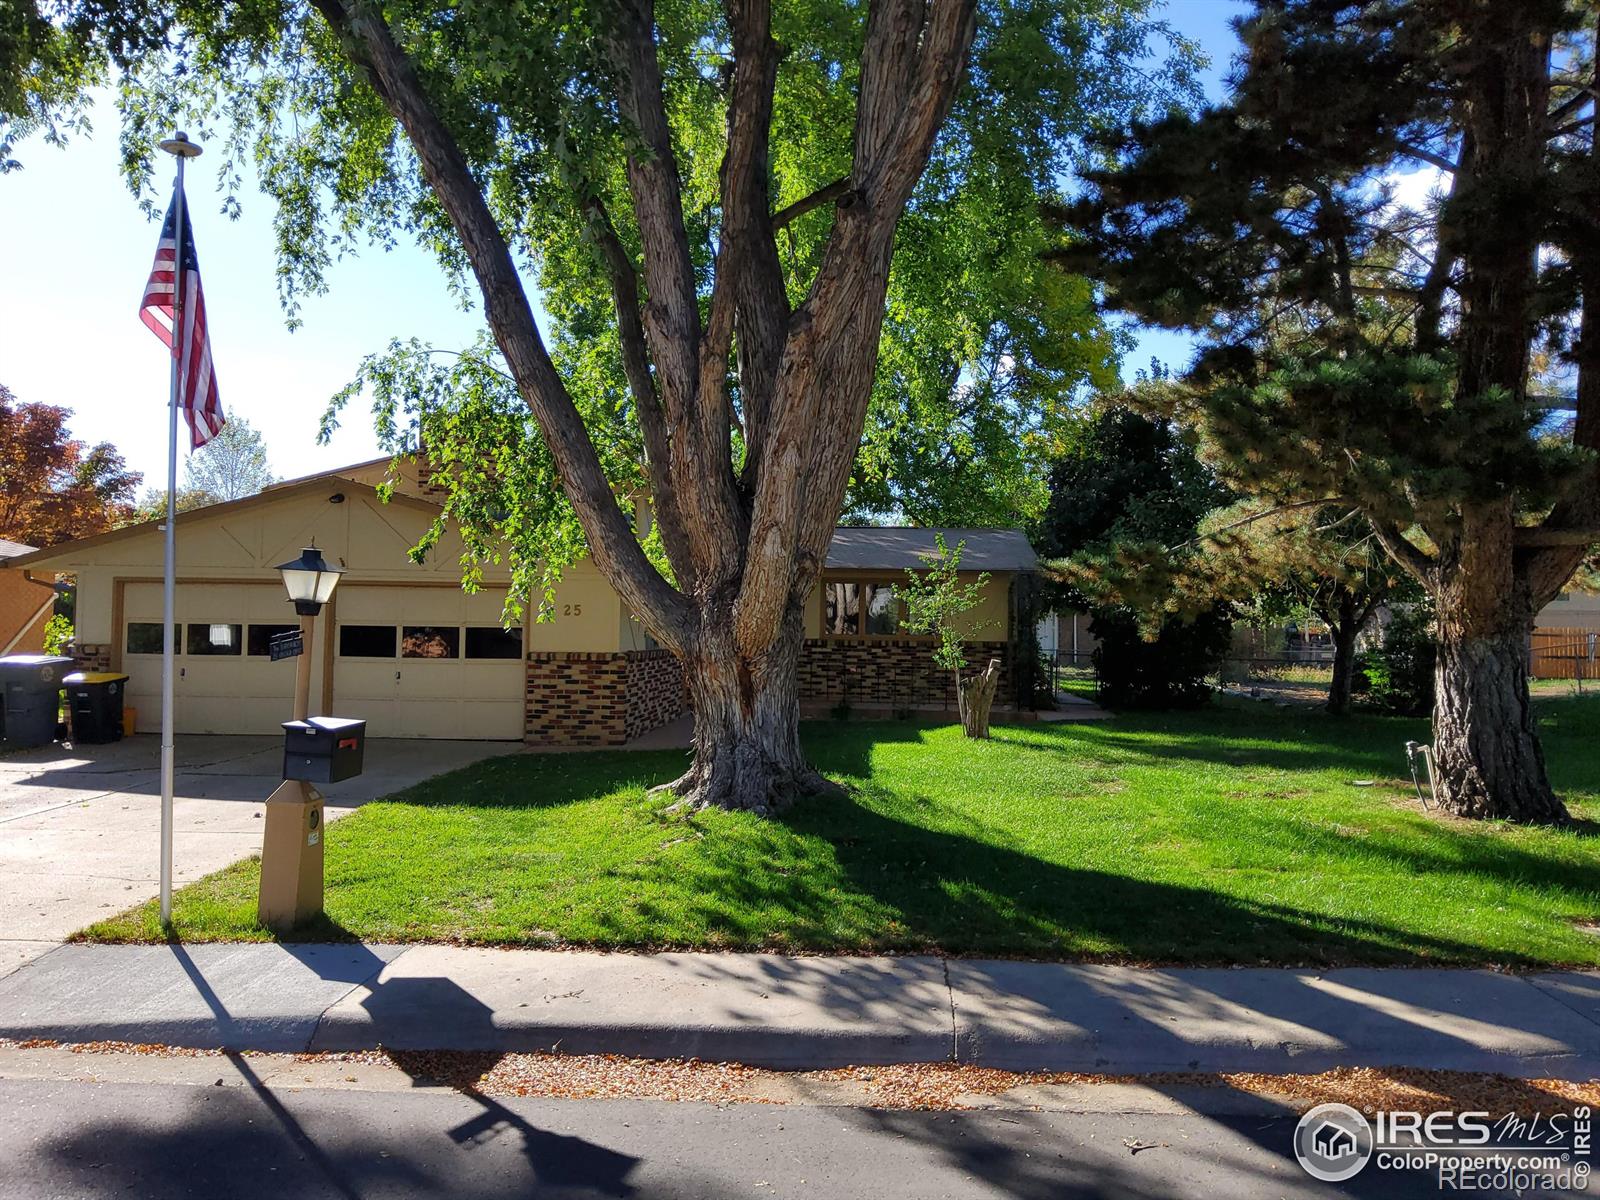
<point>323,749</point>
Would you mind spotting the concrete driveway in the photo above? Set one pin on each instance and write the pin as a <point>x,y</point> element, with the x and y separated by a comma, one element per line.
<point>80,826</point>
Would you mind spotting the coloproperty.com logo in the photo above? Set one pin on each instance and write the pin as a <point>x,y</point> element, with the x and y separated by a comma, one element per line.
<point>1462,1151</point>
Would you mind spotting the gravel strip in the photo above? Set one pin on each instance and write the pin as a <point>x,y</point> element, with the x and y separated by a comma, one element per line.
<point>936,1086</point>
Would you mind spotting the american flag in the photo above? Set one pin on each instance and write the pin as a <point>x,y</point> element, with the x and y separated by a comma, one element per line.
<point>197,389</point>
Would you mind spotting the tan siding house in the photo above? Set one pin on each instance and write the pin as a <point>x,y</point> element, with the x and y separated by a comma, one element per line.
<point>403,646</point>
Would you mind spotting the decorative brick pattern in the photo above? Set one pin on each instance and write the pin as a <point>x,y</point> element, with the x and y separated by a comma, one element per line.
<point>656,693</point>
<point>894,672</point>
<point>600,699</point>
<point>90,656</point>
<point>576,699</point>
<point>609,699</point>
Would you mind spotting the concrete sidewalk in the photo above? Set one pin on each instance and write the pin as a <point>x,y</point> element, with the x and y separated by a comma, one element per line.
<point>783,1012</point>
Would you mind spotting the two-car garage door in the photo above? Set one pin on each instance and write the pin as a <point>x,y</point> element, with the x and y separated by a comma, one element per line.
<point>413,661</point>
<point>428,662</point>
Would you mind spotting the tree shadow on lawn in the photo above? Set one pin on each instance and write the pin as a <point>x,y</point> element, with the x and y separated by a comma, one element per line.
<point>887,885</point>
<point>900,871</point>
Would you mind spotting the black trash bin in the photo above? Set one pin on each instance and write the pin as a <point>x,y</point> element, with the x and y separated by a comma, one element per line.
<point>94,705</point>
<point>32,702</point>
<point>323,749</point>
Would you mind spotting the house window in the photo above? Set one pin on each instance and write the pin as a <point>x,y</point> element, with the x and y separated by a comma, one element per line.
<point>430,641</point>
<point>366,641</point>
<point>208,639</point>
<point>841,609</point>
<point>490,641</point>
<point>144,637</point>
<point>853,608</point>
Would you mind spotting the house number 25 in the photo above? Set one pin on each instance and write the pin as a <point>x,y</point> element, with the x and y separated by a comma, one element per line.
<point>572,610</point>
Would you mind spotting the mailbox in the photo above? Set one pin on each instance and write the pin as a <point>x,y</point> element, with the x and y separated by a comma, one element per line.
<point>323,749</point>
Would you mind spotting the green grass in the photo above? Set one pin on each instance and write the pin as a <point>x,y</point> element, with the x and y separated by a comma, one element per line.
<point>1233,834</point>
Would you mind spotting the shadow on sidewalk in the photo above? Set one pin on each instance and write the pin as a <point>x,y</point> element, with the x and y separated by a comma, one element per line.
<point>553,1160</point>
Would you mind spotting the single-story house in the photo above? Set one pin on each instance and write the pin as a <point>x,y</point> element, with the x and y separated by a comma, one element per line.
<point>403,646</point>
<point>25,604</point>
<point>1575,608</point>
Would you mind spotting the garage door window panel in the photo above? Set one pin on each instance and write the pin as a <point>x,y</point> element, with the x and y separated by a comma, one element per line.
<point>367,641</point>
<point>258,639</point>
<point>430,641</point>
<point>212,638</point>
<point>491,641</point>
<point>144,637</point>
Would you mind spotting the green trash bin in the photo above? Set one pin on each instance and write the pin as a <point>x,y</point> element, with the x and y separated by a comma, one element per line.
<point>31,703</point>
<point>94,705</point>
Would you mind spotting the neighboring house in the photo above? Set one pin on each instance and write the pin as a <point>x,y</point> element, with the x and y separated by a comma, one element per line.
<point>1065,637</point>
<point>25,604</point>
<point>403,646</point>
<point>1566,637</point>
<point>1574,609</point>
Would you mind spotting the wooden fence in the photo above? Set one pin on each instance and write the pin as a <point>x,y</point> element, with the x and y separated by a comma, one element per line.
<point>1564,654</point>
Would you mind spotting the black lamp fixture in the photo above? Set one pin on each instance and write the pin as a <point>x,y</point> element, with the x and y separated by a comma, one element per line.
<point>309,580</point>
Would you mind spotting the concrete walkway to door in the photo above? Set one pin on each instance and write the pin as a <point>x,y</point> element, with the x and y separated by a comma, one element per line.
<point>80,826</point>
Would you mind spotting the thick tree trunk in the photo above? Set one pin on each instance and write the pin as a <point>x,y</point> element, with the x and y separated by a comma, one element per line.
<point>1485,745</point>
<point>747,753</point>
<point>1344,665</point>
<point>975,698</point>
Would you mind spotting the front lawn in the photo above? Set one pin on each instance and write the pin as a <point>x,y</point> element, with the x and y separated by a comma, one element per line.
<point>1234,834</point>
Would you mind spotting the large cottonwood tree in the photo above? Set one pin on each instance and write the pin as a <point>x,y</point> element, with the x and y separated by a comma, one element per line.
<point>728,181</point>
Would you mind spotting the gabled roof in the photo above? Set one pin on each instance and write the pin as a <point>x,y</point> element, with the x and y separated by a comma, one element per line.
<point>10,549</point>
<point>872,548</point>
<point>315,483</point>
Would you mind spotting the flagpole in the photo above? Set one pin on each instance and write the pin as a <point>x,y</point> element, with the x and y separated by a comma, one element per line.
<point>181,148</point>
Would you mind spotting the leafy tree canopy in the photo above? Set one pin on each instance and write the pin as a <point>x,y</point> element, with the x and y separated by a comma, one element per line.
<point>231,465</point>
<point>982,348</point>
<point>53,487</point>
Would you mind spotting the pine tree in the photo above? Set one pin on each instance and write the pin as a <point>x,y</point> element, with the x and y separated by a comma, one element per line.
<point>1363,353</point>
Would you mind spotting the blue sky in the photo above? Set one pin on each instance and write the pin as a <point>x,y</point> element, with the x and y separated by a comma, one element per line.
<point>78,250</point>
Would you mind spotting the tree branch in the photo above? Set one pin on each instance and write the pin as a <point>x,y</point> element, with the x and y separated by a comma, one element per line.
<point>1403,551</point>
<point>636,366</point>
<point>1572,104</point>
<point>372,48</point>
<point>911,64</point>
<point>1528,537</point>
<point>747,257</point>
<point>826,194</point>
<point>700,449</point>
<point>672,317</point>
<point>1422,154</point>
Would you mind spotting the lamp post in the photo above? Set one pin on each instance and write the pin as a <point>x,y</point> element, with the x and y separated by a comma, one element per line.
<point>291,847</point>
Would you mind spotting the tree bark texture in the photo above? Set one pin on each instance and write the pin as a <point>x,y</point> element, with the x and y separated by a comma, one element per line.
<point>746,546</point>
<point>1485,741</point>
<point>1487,757</point>
<point>1486,748</point>
<point>975,697</point>
<point>746,726</point>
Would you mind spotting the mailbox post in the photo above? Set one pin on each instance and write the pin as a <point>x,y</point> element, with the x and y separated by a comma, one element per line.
<point>291,847</point>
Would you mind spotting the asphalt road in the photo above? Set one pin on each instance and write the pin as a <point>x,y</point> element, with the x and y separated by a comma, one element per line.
<point>65,1138</point>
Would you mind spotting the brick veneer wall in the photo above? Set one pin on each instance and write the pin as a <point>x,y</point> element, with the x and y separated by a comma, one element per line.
<point>90,656</point>
<point>599,699</point>
<point>576,699</point>
<point>896,672</point>
<point>656,693</point>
